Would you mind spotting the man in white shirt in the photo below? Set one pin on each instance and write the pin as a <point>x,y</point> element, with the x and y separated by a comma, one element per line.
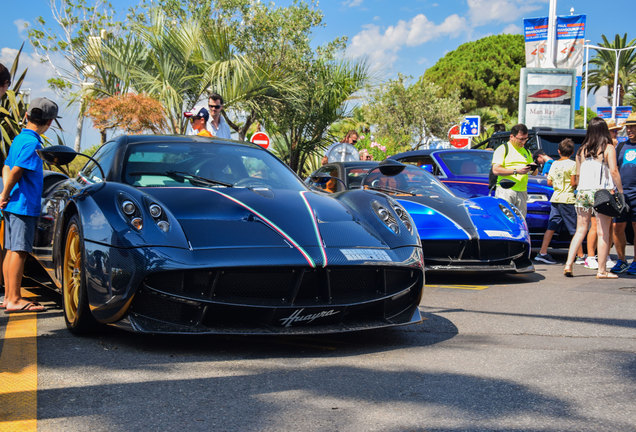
<point>217,124</point>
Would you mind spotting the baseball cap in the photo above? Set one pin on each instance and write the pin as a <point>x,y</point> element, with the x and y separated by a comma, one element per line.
<point>43,108</point>
<point>198,112</point>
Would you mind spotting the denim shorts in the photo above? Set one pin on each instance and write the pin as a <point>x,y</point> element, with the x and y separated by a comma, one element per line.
<point>19,232</point>
<point>562,214</point>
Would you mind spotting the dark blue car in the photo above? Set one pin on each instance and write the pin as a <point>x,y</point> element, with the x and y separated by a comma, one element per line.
<point>465,172</point>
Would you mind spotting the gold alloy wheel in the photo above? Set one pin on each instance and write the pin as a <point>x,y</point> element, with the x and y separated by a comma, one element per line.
<point>72,274</point>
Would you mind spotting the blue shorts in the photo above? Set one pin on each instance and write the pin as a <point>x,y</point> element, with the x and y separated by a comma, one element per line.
<point>562,214</point>
<point>631,214</point>
<point>19,231</point>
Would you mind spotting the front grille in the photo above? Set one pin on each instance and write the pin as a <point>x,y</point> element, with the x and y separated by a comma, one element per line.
<point>285,286</point>
<point>472,250</point>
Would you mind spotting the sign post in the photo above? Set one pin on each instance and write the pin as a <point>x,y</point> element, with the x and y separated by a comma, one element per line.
<point>456,139</point>
<point>261,138</point>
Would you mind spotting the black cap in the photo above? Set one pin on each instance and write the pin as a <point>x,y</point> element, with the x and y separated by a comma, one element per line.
<point>43,108</point>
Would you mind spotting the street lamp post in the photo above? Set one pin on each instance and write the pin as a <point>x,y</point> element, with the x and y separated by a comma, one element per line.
<point>617,53</point>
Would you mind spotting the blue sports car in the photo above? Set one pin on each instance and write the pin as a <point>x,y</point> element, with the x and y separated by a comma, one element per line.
<point>465,172</point>
<point>174,234</point>
<point>481,233</point>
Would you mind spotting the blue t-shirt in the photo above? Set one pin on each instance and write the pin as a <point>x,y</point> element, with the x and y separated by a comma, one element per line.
<point>546,167</point>
<point>27,193</point>
<point>626,160</point>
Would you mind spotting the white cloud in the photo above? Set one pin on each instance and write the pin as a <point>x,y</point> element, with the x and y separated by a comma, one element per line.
<point>482,12</point>
<point>381,47</point>
<point>20,25</point>
<point>352,3</point>
<point>511,29</point>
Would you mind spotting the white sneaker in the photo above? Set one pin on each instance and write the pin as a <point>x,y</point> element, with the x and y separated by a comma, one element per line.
<point>580,260</point>
<point>610,263</point>
<point>591,263</point>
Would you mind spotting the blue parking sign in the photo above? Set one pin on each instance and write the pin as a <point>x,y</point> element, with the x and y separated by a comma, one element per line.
<point>470,126</point>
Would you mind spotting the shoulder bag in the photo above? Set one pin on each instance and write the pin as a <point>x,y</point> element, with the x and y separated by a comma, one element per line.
<point>608,203</point>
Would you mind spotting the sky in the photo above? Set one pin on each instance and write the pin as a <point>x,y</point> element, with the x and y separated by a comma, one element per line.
<point>394,36</point>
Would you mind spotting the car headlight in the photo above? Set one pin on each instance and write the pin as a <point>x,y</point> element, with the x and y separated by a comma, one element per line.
<point>509,213</point>
<point>403,216</point>
<point>386,216</point>
<point>537,197</point>
<point>132,213</point>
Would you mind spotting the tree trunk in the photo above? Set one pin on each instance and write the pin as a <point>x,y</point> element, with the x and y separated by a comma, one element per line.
<point>102,134</point>
<point>78,132</point>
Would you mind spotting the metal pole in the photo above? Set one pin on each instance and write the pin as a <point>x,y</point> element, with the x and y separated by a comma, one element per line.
<point>551,54</point>
<point>587,57</point>
<point>614,99</point>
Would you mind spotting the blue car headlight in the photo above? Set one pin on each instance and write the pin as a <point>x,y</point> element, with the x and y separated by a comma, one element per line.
<point>509,213</point>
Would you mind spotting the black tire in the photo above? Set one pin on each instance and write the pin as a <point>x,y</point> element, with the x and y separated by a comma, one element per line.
<point>77,314</point>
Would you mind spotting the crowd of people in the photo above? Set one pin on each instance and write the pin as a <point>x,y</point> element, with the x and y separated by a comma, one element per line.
<point>602,162</point>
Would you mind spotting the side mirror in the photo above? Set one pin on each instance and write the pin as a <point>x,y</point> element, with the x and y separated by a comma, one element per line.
<point>62,155</point>
<point>390,167</point>
<point>506,183</point>
<point>57,155</point>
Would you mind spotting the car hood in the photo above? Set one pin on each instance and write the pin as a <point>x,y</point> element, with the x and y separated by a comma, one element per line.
<point>256,218</point>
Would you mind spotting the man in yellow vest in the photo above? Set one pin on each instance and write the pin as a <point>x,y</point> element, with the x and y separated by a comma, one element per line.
<point>513,161</point>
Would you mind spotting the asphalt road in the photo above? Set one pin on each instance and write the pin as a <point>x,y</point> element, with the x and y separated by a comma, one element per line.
<point>537,352</point>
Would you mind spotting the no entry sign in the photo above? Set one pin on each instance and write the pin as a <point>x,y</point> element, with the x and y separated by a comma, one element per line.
<point>457,140</point>
<point>260,138</point>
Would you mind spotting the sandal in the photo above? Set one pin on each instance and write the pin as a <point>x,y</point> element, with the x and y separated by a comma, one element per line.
<point>606,276</point>
<point>27,307</point>
<point>567,272</point>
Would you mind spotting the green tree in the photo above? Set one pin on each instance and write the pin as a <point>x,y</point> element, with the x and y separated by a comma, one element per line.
<point>76,27</point>
<point>300,124</point>
<point>484,72</point>
<point>13,107</point>
<point>603,67</point>
<point>408,116</point>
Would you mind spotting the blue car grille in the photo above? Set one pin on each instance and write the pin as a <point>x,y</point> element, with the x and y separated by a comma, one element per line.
<point>472,250</point>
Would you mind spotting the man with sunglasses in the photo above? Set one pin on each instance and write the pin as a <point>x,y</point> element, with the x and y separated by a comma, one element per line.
<point>513,161</point>
<point>217,124</point>
<point>350,138</point>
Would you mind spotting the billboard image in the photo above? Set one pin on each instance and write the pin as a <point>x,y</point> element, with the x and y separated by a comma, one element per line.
<point>545,97</point>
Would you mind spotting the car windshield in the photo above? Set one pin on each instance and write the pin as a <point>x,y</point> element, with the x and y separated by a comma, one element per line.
<point>205,165</point>
<point>411,181</point>
<point>467,163</point>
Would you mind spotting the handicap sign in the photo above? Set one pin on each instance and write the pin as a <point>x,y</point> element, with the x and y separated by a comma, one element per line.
<point>470,126</point>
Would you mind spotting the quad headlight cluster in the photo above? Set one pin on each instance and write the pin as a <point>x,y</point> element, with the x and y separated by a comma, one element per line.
<point>510,214</point>
<point>389,218</point>
<point>132,212</point>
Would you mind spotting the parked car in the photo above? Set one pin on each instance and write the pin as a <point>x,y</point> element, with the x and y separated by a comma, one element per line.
<point>465,172</point>
<point>478,234</point>
<point>174,234</point>
<point>543,138</point>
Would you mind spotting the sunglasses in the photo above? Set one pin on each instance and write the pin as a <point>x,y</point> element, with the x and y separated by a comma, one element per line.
<point>353,141</point>
<point>215,106</point>
<point>522,139</point>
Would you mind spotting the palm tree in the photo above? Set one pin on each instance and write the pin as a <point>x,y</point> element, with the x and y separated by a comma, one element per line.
<point>604,66</point>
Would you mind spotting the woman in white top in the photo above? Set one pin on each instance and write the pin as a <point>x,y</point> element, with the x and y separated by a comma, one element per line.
<point>595,169</point>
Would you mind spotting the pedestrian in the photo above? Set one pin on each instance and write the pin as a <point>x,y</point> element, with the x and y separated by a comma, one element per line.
<point>350,138</point>
<point>595,169</point>
<point>512,161</point>
<point>543,160</point>
<point>626,161</point>
<point>562,211</point>
<point>198,119</point>
<point>614,129</point>
<point>5,80</point>
<point>22,175</point>
<point>365,155</point>
<point>216,123</point>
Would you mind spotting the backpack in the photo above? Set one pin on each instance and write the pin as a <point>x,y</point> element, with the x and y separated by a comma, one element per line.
<point>492,177</point>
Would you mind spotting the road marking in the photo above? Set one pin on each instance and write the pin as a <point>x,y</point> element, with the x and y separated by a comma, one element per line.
<point>464,287</point>
<point>19,373</point>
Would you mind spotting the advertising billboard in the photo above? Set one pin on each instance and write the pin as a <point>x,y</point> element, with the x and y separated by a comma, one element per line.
<point>546,97</point>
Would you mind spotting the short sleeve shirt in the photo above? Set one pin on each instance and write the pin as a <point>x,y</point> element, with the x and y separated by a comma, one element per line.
<point>514,159</point>
<point>27,193</point>
<point>626,161</point>
<point>560,173</point>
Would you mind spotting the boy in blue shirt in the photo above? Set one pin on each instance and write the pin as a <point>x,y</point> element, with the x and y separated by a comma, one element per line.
<point>20,200</point>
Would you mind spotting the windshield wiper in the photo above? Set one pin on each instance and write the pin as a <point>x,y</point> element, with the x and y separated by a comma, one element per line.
<point>182,175</point>
<point>388,189</point>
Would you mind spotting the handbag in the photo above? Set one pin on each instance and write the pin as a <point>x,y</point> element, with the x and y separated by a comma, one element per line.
<point>608,203</point>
